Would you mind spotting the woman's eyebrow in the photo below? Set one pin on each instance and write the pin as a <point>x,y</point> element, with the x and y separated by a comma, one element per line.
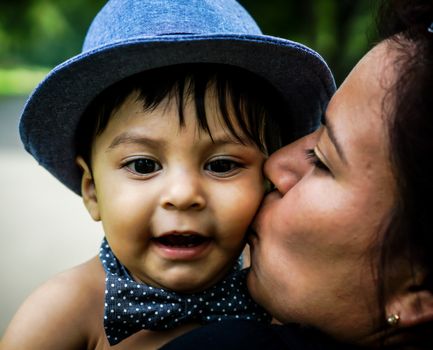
<point>334,140</point>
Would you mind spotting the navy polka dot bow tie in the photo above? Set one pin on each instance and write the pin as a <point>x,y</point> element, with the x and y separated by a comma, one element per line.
<point>131,306</point>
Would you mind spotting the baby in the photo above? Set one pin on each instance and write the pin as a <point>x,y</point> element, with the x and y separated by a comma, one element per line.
<point>162,124</point>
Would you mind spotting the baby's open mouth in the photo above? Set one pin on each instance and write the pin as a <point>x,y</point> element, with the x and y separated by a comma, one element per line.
<point>182,240</point>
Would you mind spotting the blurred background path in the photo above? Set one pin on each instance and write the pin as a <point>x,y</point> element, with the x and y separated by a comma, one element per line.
<point>44,227</point>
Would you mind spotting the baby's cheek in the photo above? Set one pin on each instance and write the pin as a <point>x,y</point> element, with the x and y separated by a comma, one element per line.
<point>237,215</point>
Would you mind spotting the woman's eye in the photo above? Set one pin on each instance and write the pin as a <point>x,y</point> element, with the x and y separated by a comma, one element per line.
<point>315,160</point>
<point>143,166</point>
<point>222,166</point>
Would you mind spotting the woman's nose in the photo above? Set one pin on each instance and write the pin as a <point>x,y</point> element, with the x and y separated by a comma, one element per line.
<point>183,192</point>
<point>289,164</point>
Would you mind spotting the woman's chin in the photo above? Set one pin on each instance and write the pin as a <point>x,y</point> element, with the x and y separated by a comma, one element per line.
<point>253,284</point>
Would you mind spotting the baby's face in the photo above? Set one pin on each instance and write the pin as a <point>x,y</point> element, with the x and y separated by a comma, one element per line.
<point>174,203</point>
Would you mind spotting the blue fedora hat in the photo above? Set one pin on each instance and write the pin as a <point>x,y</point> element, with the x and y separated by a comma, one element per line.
<point>130,36</point>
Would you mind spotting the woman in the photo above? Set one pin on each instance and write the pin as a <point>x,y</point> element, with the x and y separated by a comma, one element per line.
<point>344,243</point>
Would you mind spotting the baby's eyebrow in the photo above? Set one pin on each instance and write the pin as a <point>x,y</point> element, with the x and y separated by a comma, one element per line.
<point>138,139</point>
<point>228,141</point>
<point>132,138</point>
<point>225,138</point>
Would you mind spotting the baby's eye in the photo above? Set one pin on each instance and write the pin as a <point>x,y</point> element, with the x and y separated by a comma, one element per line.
<point>222,166</point>
<point>143,166</point>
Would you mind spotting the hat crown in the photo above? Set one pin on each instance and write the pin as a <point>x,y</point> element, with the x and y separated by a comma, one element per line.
<point>121,20</point>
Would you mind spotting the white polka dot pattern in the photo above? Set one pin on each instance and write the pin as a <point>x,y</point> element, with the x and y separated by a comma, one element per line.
<point>131,306</point>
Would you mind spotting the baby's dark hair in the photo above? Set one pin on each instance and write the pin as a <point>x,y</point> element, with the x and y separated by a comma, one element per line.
<point>257,106</point>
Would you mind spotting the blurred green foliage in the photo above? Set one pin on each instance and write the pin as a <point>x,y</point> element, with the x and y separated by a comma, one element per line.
<point>340,30</point>
<point>43,33</point>
<point>20,80</point>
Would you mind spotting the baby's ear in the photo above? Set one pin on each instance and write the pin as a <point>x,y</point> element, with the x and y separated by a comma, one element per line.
<point>413,304</point>
<point>88,190</point>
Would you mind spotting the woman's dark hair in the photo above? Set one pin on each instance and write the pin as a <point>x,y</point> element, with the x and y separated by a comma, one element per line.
<point>410,234</point>
<point>257,106</point>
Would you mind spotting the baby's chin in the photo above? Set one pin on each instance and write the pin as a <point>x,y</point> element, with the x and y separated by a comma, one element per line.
<point>186,282</point>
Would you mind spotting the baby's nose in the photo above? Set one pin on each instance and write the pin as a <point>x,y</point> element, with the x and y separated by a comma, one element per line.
<point>185,192</point>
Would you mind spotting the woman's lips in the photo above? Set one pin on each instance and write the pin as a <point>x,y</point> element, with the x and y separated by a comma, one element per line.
<point>182,245</point>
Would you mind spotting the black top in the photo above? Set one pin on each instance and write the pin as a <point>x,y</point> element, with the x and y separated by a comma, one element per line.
<point>250,335</point>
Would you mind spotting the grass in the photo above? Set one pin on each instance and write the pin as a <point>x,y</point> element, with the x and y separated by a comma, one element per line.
<point>20,80</point>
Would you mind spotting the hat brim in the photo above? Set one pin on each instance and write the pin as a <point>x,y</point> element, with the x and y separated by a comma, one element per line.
<point>51,114</point>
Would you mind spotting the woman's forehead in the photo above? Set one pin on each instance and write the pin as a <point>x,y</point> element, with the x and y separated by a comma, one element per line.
<point>358,115</point>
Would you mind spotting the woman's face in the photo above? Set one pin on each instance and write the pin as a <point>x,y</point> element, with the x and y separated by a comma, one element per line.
<point>312,257</point>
